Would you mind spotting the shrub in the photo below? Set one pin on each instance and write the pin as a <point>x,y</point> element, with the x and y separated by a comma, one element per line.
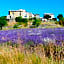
<point>15,26</point>
<point>57,22</point>
<point>36,22</point>
<point>18,19</point>
<point>24,21</point>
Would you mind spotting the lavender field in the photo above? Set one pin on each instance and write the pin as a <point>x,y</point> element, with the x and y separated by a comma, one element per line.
<point>28,54</point>
<point>36,35</point>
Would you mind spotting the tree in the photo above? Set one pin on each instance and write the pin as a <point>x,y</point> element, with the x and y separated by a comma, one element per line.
<point>60,16</point>
<point>36,22</point>
<point>21,20</point>
<point>47,16</point>
<point>63,21</point>
<point>24,21</point>
<point>18,19</point>
<point>34,18</point>
<point>3,22</point>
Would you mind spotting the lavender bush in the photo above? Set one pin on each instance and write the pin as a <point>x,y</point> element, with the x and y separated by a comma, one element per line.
<point>37,35</point>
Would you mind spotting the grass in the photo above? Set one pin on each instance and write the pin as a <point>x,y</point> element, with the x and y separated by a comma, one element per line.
<point>37,54</point>
<point>51,24</point>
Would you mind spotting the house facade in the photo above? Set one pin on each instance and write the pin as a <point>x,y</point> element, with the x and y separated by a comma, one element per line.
<point>16,13</point>
<point>50,14</point>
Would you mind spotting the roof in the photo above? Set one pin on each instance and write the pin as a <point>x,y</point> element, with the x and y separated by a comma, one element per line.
<point>48,14</point>
<point>36,14</point>
<point>20,10</point>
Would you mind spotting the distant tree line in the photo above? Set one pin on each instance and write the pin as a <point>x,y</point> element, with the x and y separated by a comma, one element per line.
<point>35,21</point>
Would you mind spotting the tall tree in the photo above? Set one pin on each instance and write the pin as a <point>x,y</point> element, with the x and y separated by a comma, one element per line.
<point>3,22</point>
<point>60,16</point>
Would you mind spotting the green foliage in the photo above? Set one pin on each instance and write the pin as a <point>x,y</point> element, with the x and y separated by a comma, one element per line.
<point>36,22</point>
<point>60,16</point>
<point>3,17</point>
<point>30,19</point>
<point>57,22</point>
<point>15,26</point>
<point>24,20</point>
<point>62,22</point>
<point>34,18</point>
<point>3,22</point>
<point>21,20</point>
<point>18,19</point>
<point>47,16</point>
<point>61,19</point>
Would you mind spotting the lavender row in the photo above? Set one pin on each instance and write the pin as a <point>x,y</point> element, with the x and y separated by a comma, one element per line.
<point>37,35</point>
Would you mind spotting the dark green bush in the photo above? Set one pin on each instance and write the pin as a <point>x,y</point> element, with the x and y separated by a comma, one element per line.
<point>15,26</point>
<point>36,22</point>
<point>3,22</point>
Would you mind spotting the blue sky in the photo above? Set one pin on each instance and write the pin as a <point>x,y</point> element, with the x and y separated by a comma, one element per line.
<point>34,6</point>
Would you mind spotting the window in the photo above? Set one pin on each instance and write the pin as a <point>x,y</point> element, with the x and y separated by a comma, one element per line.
<point>10,17</point>
<point>25,15</point>
<point>13,13</point>
<point>20,14</point>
